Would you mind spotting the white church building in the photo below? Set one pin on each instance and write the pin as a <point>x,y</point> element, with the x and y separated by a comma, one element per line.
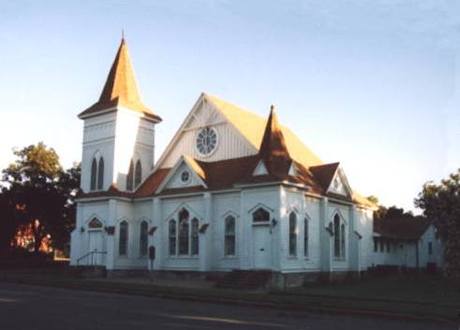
<point>231,191</point>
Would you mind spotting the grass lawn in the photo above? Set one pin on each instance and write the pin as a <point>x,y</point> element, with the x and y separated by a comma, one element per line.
<point>417,294</point>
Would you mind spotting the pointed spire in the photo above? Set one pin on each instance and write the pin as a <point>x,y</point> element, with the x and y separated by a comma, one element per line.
<point>273,150</point>
<point>121,87</point>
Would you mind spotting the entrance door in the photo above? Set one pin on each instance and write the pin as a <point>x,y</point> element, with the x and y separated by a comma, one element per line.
<point>262,247</point>
<point>96,245</point>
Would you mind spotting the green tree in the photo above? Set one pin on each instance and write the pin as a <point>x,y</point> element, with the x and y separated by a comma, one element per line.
<point>38,193</point>
<point>440,202</point>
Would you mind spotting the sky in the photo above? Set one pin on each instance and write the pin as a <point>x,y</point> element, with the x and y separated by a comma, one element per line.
<point>373,84</point>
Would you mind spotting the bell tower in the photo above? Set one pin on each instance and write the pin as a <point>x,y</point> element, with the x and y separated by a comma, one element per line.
<point>119,132</point>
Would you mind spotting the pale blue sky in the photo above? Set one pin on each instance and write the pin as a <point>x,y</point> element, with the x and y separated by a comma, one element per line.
<point>373,84</point>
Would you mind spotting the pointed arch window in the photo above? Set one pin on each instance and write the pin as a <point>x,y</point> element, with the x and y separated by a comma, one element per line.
<point>306,229</point>
<point>138,173</point>
<point>95,223</point>
<point>172,237</point>
<point>339,238</point>
<point>230,235</point>
<point>292,234</point>
<point>100,174</point>
<point>129,177</point>
<point>261,215</point>
<point>184,229</point>
<point>195,243</point>
<point>184,235</point>
<point>143,238</point>
<point>93,174</point>
<point>123,239</point>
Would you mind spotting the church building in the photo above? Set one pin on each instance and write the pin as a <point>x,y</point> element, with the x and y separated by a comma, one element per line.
<point>231,191</point>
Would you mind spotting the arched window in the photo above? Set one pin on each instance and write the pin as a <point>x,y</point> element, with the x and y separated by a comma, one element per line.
<point>93,174</point>
<point>138,174</point>
<point>305,236</point>
<point>292,234</point>
<point>100,174</point>
<point>195,245</point>
<point>172,237</point>
<point>339,238</point>
<point>229,241</point>
<point>123,239</point>
<point>261,215</point>
<point>95,224</point>
<point>129,177</point>
<point>184,232</point>
<point>143,238</point>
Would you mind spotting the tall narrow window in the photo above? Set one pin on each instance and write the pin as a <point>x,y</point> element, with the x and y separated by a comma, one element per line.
<point>195,244</point>
<point>292,234</point>
<point>376,244</point>
<point>229,241</point>
<point>305,236</point>
<point>342,240</point>
<point>430,248</point>
<point>183,232</point>
<point>172,237</point>
<point>129,177</point>
<point>138,174</point>
<point>93,174</point>
<point>100,174</point>
<point>337,236</point>
<point>143,238</point>
<point>123,239</point>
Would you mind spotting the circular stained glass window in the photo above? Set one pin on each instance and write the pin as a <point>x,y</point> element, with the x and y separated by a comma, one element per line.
<point>206,141</point>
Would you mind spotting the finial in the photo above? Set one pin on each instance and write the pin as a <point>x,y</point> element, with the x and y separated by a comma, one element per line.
<point>122,34</point>
<point>272,108</point>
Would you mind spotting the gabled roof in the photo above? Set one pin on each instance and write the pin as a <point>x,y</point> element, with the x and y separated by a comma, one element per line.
<point>252,127</point>
<point>325,173</point>
<point>193,165</point>
<point>273,150</point>
<point>120,88</point>
<point>401,228</point>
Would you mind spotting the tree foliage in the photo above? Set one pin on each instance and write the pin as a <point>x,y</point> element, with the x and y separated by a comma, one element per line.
<point>440,202</point>
<point>38,193</point>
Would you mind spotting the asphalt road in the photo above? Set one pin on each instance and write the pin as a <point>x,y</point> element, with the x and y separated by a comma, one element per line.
<point>43,308</point>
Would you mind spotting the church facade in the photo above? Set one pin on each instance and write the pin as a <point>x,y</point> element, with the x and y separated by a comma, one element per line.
<point>232,190</point>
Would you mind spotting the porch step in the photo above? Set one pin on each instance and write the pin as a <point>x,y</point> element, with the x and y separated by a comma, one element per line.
<point>88,271</point>
<point>245,279</point>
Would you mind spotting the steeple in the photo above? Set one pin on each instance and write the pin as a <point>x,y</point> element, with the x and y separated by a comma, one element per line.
<point>120,88</point>
<point>273,150</point>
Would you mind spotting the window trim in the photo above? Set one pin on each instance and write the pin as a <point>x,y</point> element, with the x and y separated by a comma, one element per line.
<point>176,220</point>
<point>137,174</point>
<point>340,240</point>
<point>306,237</point>
<point>126,243</point>
<point>293,235</point>
<point>143,253</point>
<point>232,236</point>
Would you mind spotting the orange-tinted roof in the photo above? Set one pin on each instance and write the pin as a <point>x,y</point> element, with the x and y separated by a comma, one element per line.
<point>252,127</point>
<point>151,184</point>
<point>121,88</point>
<point>324,173</point>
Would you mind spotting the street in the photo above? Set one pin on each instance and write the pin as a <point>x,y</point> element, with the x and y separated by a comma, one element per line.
<point>45,308</point>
